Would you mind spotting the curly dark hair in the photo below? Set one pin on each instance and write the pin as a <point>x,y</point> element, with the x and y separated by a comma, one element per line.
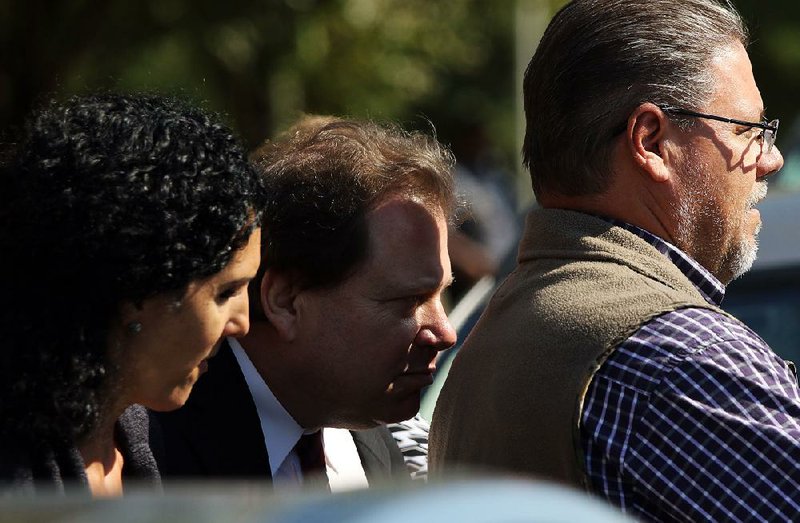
<point>108,199</point>
<point>323,176</point>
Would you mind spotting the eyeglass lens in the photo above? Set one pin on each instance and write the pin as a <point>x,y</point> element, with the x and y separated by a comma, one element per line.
<point>770,135</point>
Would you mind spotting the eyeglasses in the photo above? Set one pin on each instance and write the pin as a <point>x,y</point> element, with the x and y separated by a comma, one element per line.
<point>769,130</point>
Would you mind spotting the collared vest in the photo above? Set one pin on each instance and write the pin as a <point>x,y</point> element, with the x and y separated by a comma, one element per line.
<point>514,396</point>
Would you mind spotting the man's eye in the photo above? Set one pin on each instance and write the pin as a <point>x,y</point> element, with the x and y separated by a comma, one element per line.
<point>418,301</point>
<point>410,302</point>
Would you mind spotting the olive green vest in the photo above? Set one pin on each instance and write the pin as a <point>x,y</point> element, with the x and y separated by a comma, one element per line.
<point>514,395</point>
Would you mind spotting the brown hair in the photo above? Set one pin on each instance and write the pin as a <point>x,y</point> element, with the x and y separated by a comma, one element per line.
<point>323,175</point>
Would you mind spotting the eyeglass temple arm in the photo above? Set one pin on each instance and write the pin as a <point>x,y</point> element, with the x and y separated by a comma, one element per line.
<point>677,110</point>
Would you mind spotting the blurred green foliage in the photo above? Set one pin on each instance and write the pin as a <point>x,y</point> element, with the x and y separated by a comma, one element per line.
<point>261,63</point>
<point>775,53</point>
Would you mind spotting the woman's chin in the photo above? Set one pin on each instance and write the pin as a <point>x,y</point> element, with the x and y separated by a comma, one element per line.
<point>166,405</point>
<point>176,399</point>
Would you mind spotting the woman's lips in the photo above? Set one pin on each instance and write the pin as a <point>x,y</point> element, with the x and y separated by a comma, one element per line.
<point>203,365</point>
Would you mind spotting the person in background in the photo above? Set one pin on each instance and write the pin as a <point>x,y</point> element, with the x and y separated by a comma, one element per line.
<point>488,232</point>
<point>605,360</point>
<point>347,314</point>
<point>130,232</point>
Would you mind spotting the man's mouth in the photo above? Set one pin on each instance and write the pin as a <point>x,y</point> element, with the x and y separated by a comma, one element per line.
<point>430,369</point>
<point>758,193</point>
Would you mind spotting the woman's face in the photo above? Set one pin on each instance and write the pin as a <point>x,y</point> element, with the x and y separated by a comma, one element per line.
<point>160,363</point>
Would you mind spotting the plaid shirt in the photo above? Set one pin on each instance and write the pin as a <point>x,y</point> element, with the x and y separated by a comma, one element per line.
<point>411,437</point>
<point>694,417</point>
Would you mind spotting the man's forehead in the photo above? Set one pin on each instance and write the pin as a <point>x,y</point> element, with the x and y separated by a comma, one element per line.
<point>736,91</point>
<point>401,200</point>
<point>403,214</point>
<point>406,238</point>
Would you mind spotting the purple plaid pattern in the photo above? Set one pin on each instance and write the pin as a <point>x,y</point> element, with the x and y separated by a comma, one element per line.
<point>694,418</point>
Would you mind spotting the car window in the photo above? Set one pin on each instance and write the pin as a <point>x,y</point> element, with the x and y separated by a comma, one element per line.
<point>769,303</point>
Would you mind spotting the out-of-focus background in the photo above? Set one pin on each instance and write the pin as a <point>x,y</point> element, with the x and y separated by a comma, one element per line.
<point>456,65</point>
<point>261,63</point>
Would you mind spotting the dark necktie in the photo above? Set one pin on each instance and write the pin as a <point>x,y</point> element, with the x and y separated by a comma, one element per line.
<point>311,454</point>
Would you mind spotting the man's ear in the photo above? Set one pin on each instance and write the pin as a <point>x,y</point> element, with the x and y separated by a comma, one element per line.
<point>647,130</point>
<point>278,293</point>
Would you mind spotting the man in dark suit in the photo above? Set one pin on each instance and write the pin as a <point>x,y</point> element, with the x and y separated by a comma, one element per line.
<point>346,314</point>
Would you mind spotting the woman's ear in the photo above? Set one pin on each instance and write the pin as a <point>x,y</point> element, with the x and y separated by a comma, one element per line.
<point>278,293</point>
<point>130,317</point>
<point>647,131</point>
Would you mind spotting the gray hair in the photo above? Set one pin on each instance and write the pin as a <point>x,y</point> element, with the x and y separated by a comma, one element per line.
<point>600,59</point>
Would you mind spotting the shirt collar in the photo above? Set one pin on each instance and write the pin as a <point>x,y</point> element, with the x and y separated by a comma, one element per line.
<point>284,432</point>
<point>709,286</point>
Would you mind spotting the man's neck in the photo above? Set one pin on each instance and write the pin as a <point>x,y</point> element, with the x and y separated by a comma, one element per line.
<point>636,207</point>
<point>274,360</point>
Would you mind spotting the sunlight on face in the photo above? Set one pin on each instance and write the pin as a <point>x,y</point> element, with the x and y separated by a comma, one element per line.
<point>371,340</point>
<point>161,363</point>
<point>723,173</point>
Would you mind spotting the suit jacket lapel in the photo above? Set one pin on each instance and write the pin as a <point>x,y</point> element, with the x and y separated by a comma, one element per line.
<point>220,425</point>
<point>379,453</point>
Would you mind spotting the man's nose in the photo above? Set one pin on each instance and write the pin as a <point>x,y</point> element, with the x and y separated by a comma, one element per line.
<point>770,162</point>
<point>437,332</point>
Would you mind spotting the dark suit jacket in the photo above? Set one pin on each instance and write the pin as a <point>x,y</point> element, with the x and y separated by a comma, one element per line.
<point>217,434</point>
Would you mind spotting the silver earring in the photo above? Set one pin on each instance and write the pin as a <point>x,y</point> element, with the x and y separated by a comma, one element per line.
<point>134,328</point>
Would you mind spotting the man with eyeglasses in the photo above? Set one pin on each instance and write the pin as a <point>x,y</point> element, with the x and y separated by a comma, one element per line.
<point>605,360</point>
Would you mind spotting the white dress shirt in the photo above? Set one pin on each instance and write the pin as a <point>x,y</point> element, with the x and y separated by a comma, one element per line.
<point>342,462</point>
